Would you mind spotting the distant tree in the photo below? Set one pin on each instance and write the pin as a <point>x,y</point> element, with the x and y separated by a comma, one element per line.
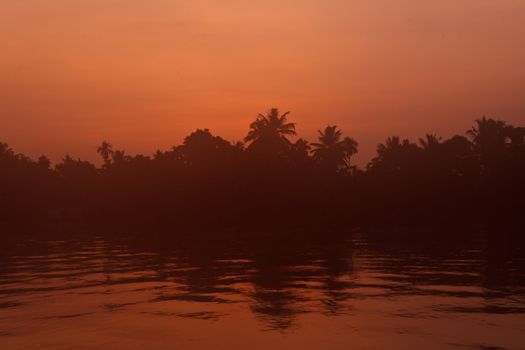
<point>119,157</point>
<point>270,132</point>
<point>5,150</point>
<point>75,169</point>
<point>44,162</point>
<point>395,156</point>
<point>202,149</point>
<point>459,158</point>
<point>430,142</point>
<point>459,146</point>
<point>334,152</point>
<point>299,156</point>
<point>517,147</point>
<point>516,136</point>
<point>490,138</point>
<point>301,146</point>
<point>488,134</point>
<point>106,152</point>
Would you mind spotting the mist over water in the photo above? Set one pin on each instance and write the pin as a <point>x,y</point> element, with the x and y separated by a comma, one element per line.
<point>364,291</point>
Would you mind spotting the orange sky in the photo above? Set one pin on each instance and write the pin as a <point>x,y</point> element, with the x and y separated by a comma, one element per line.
<point>143,74</point>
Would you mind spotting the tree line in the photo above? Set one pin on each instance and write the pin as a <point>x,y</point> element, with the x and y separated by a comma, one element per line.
<point>476,177</point>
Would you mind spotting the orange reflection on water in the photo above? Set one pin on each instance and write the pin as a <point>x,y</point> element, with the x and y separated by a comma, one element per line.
<point>109,295</point>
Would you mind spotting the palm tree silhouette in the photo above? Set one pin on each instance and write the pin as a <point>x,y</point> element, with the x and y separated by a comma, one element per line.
<point>394,154</point>
<point>430,142</point>
<point>332,150</point>
<point>490,138</point>
<point>106,151</point>
<point>488,134</point>
<point>270,130</point>
<point>392,143</point>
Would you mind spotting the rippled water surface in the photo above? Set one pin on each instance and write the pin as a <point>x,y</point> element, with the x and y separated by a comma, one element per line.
<point>278,294</point>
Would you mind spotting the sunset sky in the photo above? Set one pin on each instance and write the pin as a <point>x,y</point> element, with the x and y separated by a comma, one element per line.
<point>143,74</point>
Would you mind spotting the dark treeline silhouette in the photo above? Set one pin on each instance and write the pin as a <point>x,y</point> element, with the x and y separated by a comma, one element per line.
<point>271,179</point>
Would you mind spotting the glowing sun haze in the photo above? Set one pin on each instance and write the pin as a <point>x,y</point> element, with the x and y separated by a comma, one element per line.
<point>143,74</point>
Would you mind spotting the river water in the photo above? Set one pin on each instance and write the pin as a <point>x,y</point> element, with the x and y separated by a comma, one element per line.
<point>352,293</point>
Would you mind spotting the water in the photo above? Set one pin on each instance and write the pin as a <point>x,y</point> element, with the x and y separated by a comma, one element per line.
<point>354,293</point>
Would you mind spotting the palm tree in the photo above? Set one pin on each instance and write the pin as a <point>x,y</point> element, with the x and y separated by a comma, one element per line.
<point>490,138</point>
<point>333,151</point>
<point>488,135</point>
<point>270,131</point>
<point>430,142</point>
<point>394,154</point>
<point>392,143</point>
<point>119,156</point>
<point>106,151</point>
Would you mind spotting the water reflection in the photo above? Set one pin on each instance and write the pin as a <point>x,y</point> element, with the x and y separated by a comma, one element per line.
<point>338,288</point>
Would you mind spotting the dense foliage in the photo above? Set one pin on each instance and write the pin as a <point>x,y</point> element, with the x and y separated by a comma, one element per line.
<point>269,179</point>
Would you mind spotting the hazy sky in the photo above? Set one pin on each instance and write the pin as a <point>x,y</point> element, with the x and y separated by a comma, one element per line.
<point>143,74</point>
